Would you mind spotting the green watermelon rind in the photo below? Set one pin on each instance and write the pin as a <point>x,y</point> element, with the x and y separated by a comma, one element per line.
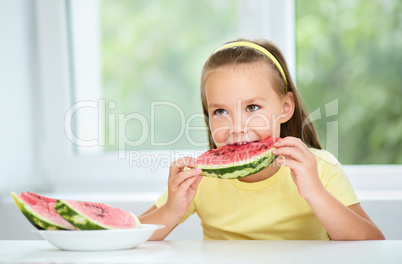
<point>81,221</point>
<point>78,220</point>
<point>238,163</point>
<point>35,219</point>
<point>243,169</point>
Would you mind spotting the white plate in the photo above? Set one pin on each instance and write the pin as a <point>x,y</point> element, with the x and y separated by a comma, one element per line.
<point>90,240</point>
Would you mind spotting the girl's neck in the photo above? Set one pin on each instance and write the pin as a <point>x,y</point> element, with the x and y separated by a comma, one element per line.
<point>262,175</point>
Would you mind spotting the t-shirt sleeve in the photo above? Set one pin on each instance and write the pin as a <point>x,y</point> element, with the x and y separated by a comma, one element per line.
<point>335,179</point>
<point>163,199</point>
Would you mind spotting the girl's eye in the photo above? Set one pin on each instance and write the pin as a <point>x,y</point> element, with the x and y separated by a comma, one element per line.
<point>220,112</point>
<point>252,108</point>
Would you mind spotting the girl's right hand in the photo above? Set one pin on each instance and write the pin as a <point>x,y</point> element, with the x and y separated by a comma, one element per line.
<point>182,186</point>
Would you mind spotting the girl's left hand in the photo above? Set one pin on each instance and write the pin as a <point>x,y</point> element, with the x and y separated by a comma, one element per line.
<point>303,166</point>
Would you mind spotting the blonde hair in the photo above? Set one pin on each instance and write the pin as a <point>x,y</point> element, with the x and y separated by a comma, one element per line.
<point>299,125</point>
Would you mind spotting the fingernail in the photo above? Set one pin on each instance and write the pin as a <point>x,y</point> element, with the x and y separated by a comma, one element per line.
<point>274,151</point>
<point>198,170</point>
<point>281,160</point>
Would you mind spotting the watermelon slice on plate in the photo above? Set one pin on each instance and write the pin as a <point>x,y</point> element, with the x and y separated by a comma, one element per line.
<point>57,214</point>
<point>39,210</point>
<point>90,216</point>
<point>237,160</point>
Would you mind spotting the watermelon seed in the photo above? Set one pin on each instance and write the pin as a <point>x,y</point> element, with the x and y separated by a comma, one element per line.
<point>97,207</point>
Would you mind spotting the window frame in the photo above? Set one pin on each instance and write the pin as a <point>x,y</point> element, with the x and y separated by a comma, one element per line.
<point>64,170</point>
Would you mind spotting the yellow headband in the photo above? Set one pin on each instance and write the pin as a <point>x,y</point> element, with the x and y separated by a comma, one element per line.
<point>256,47</point>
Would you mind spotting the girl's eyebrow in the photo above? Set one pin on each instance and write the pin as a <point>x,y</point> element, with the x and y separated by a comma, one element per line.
<point>245,101</point>
<point>254,99</point>
<point>215,106</point>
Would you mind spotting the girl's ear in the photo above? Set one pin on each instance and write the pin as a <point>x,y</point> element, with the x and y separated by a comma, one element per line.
<point>288,107</point>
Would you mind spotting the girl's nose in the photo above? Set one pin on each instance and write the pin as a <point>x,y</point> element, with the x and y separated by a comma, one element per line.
<point>237,126</point>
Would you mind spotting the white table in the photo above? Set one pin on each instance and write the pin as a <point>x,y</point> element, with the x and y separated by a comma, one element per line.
<point>40,251</point>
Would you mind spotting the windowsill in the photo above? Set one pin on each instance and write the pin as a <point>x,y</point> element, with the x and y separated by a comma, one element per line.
<point>150,197</point>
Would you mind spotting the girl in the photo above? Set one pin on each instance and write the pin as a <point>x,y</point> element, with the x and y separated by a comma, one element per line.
<point>248,95</point>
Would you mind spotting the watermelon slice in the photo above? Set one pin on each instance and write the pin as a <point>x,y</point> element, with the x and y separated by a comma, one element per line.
<point>88,215</point>
<point>237,160</point>
<point>39,210</point>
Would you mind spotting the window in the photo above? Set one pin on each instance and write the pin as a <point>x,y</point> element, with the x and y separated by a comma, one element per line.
<point>135,69</point>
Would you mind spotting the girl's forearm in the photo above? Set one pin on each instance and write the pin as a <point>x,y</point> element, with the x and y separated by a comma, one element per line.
<point>341,222</point>
<point>160,216</point>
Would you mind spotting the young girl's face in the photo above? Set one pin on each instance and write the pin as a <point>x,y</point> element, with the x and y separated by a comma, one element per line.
<point>243,105</point>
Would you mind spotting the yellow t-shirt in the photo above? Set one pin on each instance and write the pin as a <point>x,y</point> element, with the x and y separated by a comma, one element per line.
<point>271,209</point>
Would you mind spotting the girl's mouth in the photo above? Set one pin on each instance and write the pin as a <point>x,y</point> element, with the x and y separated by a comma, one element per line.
<point>243,143</point>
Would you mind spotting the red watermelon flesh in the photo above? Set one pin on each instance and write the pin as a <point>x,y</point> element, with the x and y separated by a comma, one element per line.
<point>40,211</point>
<point>237,160</point>
<point>236,154</point>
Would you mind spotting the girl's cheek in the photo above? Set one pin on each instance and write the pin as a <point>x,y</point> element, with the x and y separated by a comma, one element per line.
<point>221,137</point>
<point>220,131</point>
<point>276,125</point>
<point>258,123</point>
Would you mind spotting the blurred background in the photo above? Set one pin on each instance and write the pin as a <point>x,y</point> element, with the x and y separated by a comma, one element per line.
<point>99,96</point>
<point>348,51</point>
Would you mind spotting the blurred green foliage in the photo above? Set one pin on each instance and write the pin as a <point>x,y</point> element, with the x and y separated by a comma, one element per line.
<point>351,50</point>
